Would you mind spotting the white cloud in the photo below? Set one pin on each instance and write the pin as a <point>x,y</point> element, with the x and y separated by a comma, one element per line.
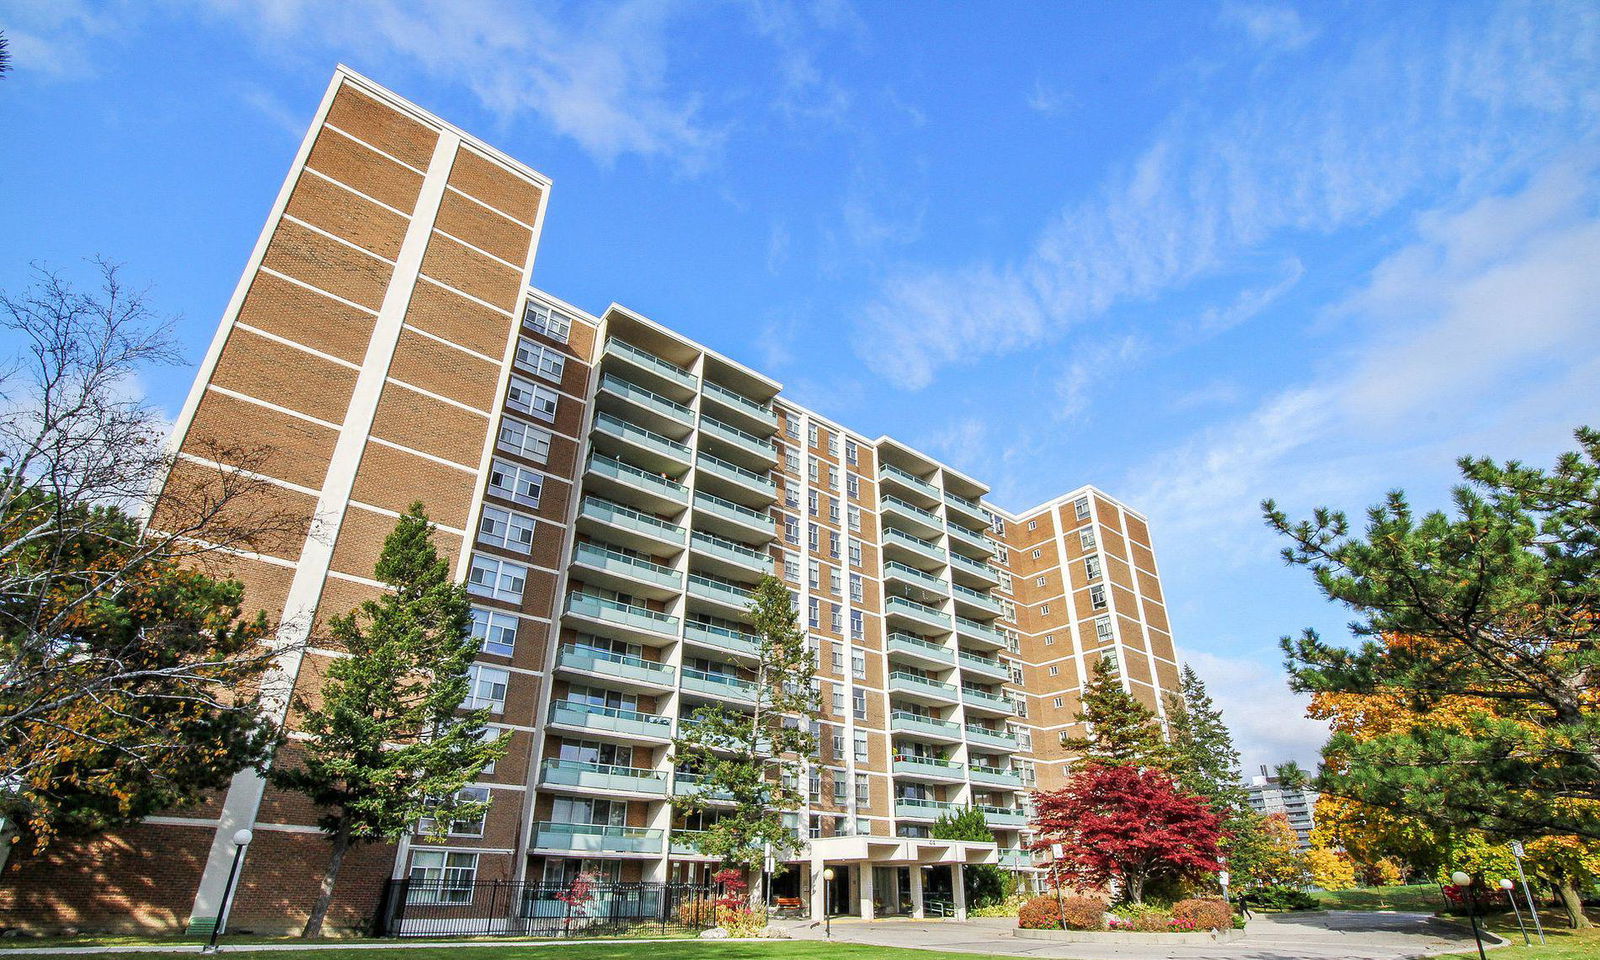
<point>1269,25</point>
<point>1330,146</point>
<point>1268,722</point>
<point>1048,99</point>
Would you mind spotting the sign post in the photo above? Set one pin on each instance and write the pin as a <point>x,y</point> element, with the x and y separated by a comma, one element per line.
<point>1516,851</point>
<point>1055,865</point>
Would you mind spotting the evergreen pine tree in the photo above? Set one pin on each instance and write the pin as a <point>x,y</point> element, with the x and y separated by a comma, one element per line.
<point>1203,756</point>
<point>387,744</point>
<point>1122,730</point>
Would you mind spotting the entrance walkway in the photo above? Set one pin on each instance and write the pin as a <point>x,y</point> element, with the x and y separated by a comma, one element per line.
<point>1330,935</point>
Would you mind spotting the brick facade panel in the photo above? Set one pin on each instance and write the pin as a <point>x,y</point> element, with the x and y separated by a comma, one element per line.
<point>282,873</point>
<point>470,272</point>
<point>444,370</point>
<point>287,513</point>
<point>383,127</point>
<point>445,313</point>
<point>299,450</point>
<point>357,165</point>
<point>483,228</point>
<point>332,207</point>
<point>393,479</point>
<point>284,376</point>
<point>361,537</point>
<point>430,426</point>
<point>308,317</point>
<point>326,264</point>
<point>486,180</point>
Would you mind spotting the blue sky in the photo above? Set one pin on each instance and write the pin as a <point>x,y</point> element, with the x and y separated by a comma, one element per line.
<point>1211,252</point>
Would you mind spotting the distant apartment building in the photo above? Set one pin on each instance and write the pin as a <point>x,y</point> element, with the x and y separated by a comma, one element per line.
<point>610,490</point>
<point>1268,795</point>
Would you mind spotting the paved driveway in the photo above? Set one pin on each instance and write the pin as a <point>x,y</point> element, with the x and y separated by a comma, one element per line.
<point>1330,935</point>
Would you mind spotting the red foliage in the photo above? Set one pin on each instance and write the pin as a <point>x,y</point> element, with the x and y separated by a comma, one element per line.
<point>1120,822</point>
<point>733,886</point>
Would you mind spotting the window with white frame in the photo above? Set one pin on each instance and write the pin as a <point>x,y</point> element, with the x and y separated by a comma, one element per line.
<point>496,632</point>
<point>833,581</point>
<point>541,319</point>
<point>1001,554</point>
<point>814,575</point>
<point>1097,597</point>
<point>833,509</point>
<point>835,618</point>
<point>497,578</point>
<point>532,399</point>
<point>1038,581</point>
<point>852,486</point>
<point>791,462</point>
<point>1057,703</point>
<point>489,735</point>
<point>862,751</point>
<point>1055,671</point>
<point>1091,567</point>
<point>1049,639</point>
<point>506,528</point>
<point>997,524</point>
<point>858,664</point>
<point>814,612</point>
<point>1033,524</point>
<point>441,876</point>
<point>853,515</point>
<point>857,624</point>
<point>813,501</point>
<point>833,445</point>
<point>1086,538</point>
<point>791,567</point>
<point>486,688</point>
<point>1080,508</point>
<point>863,790</point>
<point>524,440</point>
<point>813,536</point>
<point>855,552</point>
<point>838,663</point>
<point>791,427</point>
<point>1016,675</point>
<point>851,452</point>
<point>791,530</point>
<point>1044,609</point>
<point>516,482</point>
<point>813,468</point>
<point>841,790</point>
<point>1035,554</point>
<point>833,544</point>
<point>540,360</point>
<point>469,827</point>
<point>838,703</point>
<point>811,434</point>
<point>1102,628</point>
<point>1020,706</point>
<point>858,586</point>
<point>1005,582</point>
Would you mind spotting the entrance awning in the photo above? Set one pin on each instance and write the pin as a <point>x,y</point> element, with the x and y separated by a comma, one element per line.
<point>899,851</point>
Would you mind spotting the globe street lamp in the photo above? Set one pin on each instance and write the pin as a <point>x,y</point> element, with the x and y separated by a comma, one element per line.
<point>241,839</point>
<point>1464,882</point>
<point>827,902</point>
<point>1511,894</point>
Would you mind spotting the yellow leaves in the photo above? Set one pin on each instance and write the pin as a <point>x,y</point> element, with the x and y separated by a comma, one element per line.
<point>1331,869</point>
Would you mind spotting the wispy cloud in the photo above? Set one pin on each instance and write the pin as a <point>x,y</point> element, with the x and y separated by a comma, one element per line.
<point>1320,148</point>
<point>1272,25</point>
<point>1267,721</point>
<point>1048,99</point>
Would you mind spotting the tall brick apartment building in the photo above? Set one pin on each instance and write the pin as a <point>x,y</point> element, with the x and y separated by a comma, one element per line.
<point>610,489</point>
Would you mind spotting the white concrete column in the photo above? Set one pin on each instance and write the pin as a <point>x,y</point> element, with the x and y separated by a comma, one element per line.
<point>817,891</point>
<point>916,891</point>
<point>958,888</point>
<point>868,909</point>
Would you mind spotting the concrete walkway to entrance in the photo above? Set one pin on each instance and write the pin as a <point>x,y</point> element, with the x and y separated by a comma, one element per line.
<point>1330,935</point>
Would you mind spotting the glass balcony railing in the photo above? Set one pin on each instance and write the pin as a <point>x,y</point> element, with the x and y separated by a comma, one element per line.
<point>621,614</point>
<point>976,542</point>
<point>739,438</point>
<point>633,476</point>
<point>712,545</point>
<point>988,666</point>
<point>889,470</point>
<point>916,646</point>
<point>736,474</point>
<point>722,638</point>
<point>604,776</point>
<point>974,566</point>
<point>922,809</point>
<point>903,721</point>
<point>671,409</point>
<point>721,591</point>
<point>595,660</point>
<point>975,697</point>
<point>889,501</point>
<point>926,548</point>
<point>928,581</point>
<point>909,763</point>
<point>600,558</point>
<point>754,520</point>
<point>616,515</point>
<point>688,784</point>
<point>976,598</point>
<point>987,737</point>
<point>610,719</point>
<point>1016,858</point>
<point>685,843</point>
<point>973,630</point>
<point>650,361</point>
<point>647,439</point>
<point>743,404</point>
<point>903,682</point>
<point>994,776</point>
<point>1003,816</point>
<point>918,611</point>
<point>718,685</point>
<point>596,838</point>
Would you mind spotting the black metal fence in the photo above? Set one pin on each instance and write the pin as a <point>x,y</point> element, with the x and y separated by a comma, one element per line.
<point>446,908</point>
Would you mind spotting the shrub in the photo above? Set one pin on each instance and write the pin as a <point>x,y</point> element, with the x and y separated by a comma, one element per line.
<point>1143,917</point>
<point>1083,913</point>
<point>1009,907</point>
<point>1271,897</point>
<point>1205,913</point>
<point>1040,913</point>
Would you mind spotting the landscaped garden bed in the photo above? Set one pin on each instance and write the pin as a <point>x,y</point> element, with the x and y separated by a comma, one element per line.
<point>1077,918</point>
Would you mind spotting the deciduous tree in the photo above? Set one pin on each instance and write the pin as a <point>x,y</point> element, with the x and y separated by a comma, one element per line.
<point>984,884</point>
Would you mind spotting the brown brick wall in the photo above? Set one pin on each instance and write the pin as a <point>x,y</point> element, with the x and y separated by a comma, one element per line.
<point>298,449</point>
<point>392,479</point>
<point>445,313</point>
<point>326,264</point>
<point>306,316</point>
<point>444,370</point>
<point>361,536</point>
<point>284,376</point>
<point>357,165</point>
<point>338,210</point>
<point>432,426</point>
<point>282,872</point>
<point>480,226</point>
<point>482,178</point>
<point>469,271</point>
<point>383,127</point>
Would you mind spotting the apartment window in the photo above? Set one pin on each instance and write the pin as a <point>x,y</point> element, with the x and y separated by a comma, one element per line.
<point>833,544</point>
<point>457,828</point>
<point>851,452</point>
<point>1055,671</point>
<point>517,483</point>
<point>1049,639</point>
<point>1080,507</point>
<point>838,739</point>
<point>1001,554</point>
<point>858,591</point>
<point>1016,675</point>
<point>791,496</point>
<point>489,735</point>
<point>814,575</point>
<point>1044,609</point>
<point>1035,554</point>
<point>1091,567</point>
<point>858,664</point>
<point>1033,524</point>
<point>814,536</point>
<point>828,480</point>
<point>862,752</point>
<point>814,789</point>
<point>1097,597</point>
<point>812,499</point>
<point>841,791</point>
<point>835,618</point>
<point>811,434</point>
<point>532,399</point>
<point>833,582</point>
<point>497,578</point>
<point>1025,741</point>
<point>838,662</point>
<point>791,462</point>
<point>1086,538</point>
<point>998,525</point>
<point>833,509</point>
<point>813,469</point>
<point>486,688</point>
<point>1020,706</point>
<point>852,486</point>
<point>855,552</point>
<point>1057,703</point>
<point>542,319</point>
<point>506,528</point>
<point>864,791</point>
<point>524,440</point>
<point>1006,583</point>
<point>540,359</point>
<point>1102,628</point>
<point>438,876</point>
<point>495,632</point>
<point>833,445</point>
<point>791,531</point>
<point>853,515</point>
<point>1038,581</point>
<point>838,704</point>
<point>814,612</point>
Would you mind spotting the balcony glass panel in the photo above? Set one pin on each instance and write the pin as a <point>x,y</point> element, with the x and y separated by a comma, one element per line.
<point>713,545</point>
<point>990,738</point>
<point>994,776</point>
<point>628,473</point>
<point>979,631</point>
<point>750,407</point>
<point>609,719</point>
<point>907,643</point>
<point>1003,816</point>
<point>604,776</point>
<point>594,660</point>
<point>615,514</point>
<point>647,359</point>
<point>701,586</point>
<point>594,555</point>
<point>922,809</point>
<point>649,439</point>
<point>918,611</point>
<point>910,763</point>
<point>625,614</point>
<point>909,479</point>
<point>734,435</point>
<point>901,721</point>
<point>718,685</point>
<point>911,683</point>
<point>736,473</point>
<point>722,638</point>
<point>596,838</point>
<point>989,666</point>
<point>894,568</point>
<point>647,398</point>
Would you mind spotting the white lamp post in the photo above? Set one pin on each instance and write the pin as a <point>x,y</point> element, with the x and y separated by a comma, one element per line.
<point>1511,894</point>
<point>241,839</point>
<point>1464,882</point>
<point>827,902</point>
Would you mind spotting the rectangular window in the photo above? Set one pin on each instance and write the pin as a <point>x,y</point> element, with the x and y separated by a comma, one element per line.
<point>791,495</point>
<point>855,552</point>
<point>851,452</point>
<point>813,536</point>
<point>539,359</point>
<point>524,440</point>
<point>852,486</point>
<point>833,445</point>
<point>497,578</point>
<point>1033,524</point>
<point>863,791</point>
<point>1035,554</point>
<point>438,876</point>
<point>814,787</point>
<point>1038,581</point>
<point>1080,507</point>
<point>858,664</point>
<point>857,624</point>
<point>838,664</point>
<point>496,632</point>
<point>514,482</point>
<point>458,828</point>
<point>791,427</point>
<point>835,618</point>
<point>838,739</point>
<point>1044,609</point>
<point>853,514</point>
<point>1091,567</point>
<point>833,582</point>
<point>838,702</point>
<point>1057,703</point>
<point>811,434</point>
<point>1097,597</point>
<point>1005,582</point>
<point>542,319</point>
<point>532,399</point>
<point>814,575</point>
<point>791,530</point>
<point>1049,639</point>
<point>1102,628</point>
<point>1001,554</point>
<point>841,791</point>
<point>1021,706</point>
<point>1016,675</point>
<point>1055,671</point>
<point>791,567</point>
<point>506,528</point>
<point>486,688</point>
<point>833,509</point>
<point>812,499</point>
<point>862,751</point>
<point>833,544</point>
<point>997,524</point>
<point>791,462</point>
<point>1086,538</point>
<point>814,612</point>
<point>813,469</point>
<point>858,590</point>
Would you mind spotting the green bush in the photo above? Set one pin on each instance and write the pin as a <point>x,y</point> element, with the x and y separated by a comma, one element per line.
<point>1271,897</point>
<point>1204,913</point>
<point>1143,917</point>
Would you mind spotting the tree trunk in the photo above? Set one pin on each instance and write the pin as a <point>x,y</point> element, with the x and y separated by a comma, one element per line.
<point>1135,885</point>
<point>330,876</point>
<point>1572,902</point>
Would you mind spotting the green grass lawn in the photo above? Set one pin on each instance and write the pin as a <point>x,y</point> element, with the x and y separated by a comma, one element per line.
<point>1416,898</point>
<point>623,950</point>
<point>1564,944</point>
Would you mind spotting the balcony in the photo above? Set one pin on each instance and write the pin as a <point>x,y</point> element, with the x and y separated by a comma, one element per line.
<point>930,728</point>
<point>730,519</point>
<point>927,768</point>
<point>915,551</point>
<point>604,776</point>
<point>1004,817</point>
<point>909,517</point>
<point>733,482</point>
<point>987,776</point>
<point>922,689</point>
<point>976,600</point>
<point>891,475</point>
<point>737,445</point>
<point>984,702</point>
<point>723,743</point>
<point>596,838</point>
<point>974,545</point>
<point>690,784</point>
<point>908,808</point>
<point>729,596</point>
<point>622,621</point>
<point>587,718</point>
<point>651,450</point>
<point>624,573</point>
<point>685,843</point>
<point>1016,858</point>
<point>645,407</point>
<point>960,508</point>
<point>912,647</point>
<point>972,663</point>
<point>627,526</point>
<point>615,667</point>
<point>722,639</point>
<point>893,570</point>
<point>719,686</point>
<point>728,557</point>
<point>980,633</point>
<point>985,737</point>
<point>976,572</point>
<point>757,416</point>
<point>622,481</point>
<point>918,613</point>
<point>656,370</point>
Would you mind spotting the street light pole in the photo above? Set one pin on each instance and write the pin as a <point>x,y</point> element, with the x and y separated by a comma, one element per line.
<point>241,839</point>
<point>827,901</point>
<point>1511,894</point>
<point>1464,882</point>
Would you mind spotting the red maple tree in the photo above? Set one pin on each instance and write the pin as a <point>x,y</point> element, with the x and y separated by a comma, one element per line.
<point>1122,823</point>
